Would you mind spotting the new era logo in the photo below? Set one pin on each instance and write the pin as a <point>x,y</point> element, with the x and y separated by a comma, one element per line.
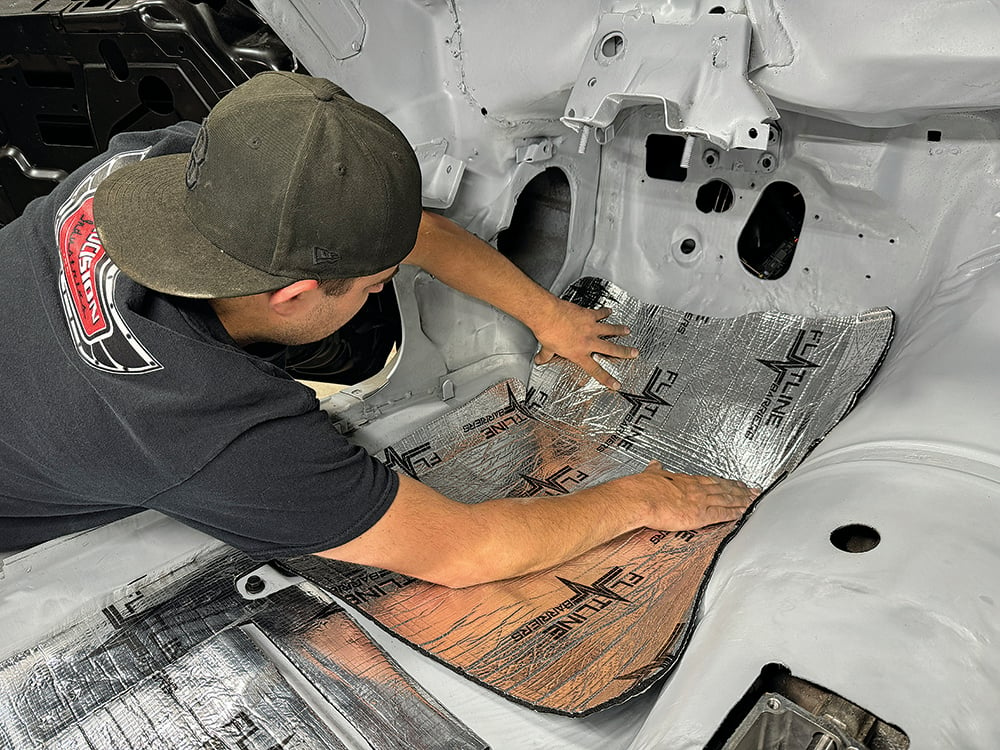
<point>325,255</point>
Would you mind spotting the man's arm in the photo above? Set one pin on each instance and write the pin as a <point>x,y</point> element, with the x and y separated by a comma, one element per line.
<point>464,262</point>
<point>428,536</point>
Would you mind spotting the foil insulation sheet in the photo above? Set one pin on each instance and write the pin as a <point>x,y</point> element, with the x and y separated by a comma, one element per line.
<point>744,398</point>
<point>168,663</point>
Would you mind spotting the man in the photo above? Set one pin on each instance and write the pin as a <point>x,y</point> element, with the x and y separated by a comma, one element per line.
<point>132,292</point>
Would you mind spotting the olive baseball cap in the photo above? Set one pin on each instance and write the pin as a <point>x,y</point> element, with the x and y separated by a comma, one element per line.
<point>290,178</point>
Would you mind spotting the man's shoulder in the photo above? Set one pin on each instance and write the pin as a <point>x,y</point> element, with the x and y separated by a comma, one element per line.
<point>174,139</point>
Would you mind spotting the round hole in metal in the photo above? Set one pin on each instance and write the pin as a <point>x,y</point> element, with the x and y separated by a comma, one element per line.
<point>612,45</point>
<point>714,196</point>
<point>855,538</point>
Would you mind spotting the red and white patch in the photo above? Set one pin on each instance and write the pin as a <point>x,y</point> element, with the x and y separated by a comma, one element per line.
<point>81,251</point>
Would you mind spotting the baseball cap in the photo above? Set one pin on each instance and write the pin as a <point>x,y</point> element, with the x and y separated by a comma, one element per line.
<point>290,178</point>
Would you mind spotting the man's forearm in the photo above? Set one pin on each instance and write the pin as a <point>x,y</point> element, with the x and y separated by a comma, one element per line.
<point>428,536</point>
<point>466,263</point>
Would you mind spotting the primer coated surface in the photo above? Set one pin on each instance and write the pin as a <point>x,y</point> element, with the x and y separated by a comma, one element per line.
<point>743,398</point>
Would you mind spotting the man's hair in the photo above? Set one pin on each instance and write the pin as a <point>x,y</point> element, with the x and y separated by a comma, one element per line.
<point>335,287</point>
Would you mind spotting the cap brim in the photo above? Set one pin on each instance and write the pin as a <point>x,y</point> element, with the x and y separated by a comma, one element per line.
<point>139,213</point>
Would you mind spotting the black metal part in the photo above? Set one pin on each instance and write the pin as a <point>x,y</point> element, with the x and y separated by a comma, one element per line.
<point>73,74</point>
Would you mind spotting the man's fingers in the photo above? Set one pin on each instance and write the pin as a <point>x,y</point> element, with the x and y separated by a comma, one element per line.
<point>544,355</point>
<point>602,313</point>
<point>618,351</point>
<point>721,514</point>
<point>599,374</point>
<point>612,329</point>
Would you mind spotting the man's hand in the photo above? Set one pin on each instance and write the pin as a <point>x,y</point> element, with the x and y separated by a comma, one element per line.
<point>426,535</point>
<point>576,333</point>
<point>682,501</point>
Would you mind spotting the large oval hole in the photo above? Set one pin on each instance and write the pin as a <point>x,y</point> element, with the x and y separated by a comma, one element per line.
<point>769,238</point>
<point>538,233</point>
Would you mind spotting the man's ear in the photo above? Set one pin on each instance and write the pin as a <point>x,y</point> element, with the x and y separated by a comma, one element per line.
<point>287,299</point>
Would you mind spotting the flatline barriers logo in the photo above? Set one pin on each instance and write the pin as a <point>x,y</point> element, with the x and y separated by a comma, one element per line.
<point>559,482</point>
<point>587,601</point>
<point>791,376</point>
<point>412,461</point>
<point>514,413</point>
<point>645,406</point>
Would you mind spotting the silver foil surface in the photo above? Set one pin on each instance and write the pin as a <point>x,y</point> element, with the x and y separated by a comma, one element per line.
<point>167,664</point>
<point>744,398</point>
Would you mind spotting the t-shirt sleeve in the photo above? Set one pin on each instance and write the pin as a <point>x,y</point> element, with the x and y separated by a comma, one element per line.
<point>289,486</point>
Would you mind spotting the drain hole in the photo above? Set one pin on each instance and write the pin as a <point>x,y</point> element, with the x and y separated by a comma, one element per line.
<point>714,195</point>
<point>855,537</point>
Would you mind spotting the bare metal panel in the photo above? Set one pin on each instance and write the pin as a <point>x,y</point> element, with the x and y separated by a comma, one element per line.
<point>745,397</point>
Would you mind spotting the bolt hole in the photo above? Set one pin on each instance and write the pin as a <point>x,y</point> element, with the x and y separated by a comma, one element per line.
<point>254,585</point>
<point>892,240</point>
<point>855,538</point>
<point>483,110</point>
<point>816,217</point>
<point>688,246</point>
<point>868,275</point>
<point>752,132</point>
<point>861,236</point>
<point>592,82</point>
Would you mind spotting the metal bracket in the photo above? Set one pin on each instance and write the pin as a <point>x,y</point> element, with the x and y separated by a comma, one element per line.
<point>441,173</point>
<point>264,581</point>
<point>697,72</point>
<point>535,150</point>
<point>780,720</point>
<point>743,161</point>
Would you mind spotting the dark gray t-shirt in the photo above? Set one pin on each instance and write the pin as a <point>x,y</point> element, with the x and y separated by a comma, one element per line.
<point>116,398</point>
